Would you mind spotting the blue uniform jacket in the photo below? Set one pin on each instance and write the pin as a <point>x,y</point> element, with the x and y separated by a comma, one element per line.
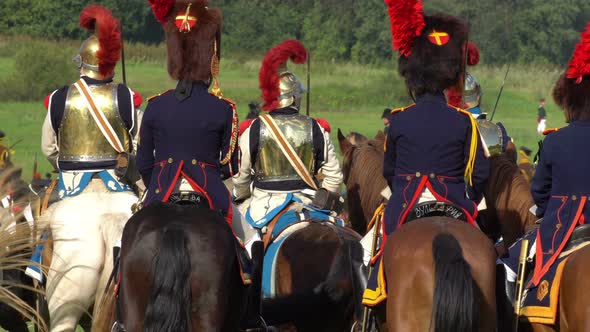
<point>189,132</point>
<point>428,146</point>
<point>561,188</point>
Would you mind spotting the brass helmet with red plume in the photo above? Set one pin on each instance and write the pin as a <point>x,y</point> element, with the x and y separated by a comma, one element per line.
<point>280,87</point>
<point>193,38</point>
<point>100,53</point>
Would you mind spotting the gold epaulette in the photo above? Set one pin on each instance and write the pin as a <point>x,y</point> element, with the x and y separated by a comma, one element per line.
<point>158,95</point>
<point>550,130</point>
<point>227,100</point>
<point>401,109</point>
<point>473,146</point>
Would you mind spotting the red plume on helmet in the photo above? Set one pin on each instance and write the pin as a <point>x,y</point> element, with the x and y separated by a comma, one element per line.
<point>472,54</point>
<point>407,22</point>
<point>101,21</point>
<point>580,64</point>
<point>269,72</point>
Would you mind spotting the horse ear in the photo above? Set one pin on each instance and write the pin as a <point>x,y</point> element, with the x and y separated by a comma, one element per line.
<point>380,136</point>
<point>345,145</point>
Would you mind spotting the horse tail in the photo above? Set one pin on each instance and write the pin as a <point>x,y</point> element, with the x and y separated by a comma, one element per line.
<point>169,305</point>
<point>456,300</point>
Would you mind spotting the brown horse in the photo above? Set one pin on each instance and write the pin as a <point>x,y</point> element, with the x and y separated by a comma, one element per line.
<point>178,272</point>
<point>507,194</point>
<point>363,168</point>
<point>315,281</point>
<point>442,272</point>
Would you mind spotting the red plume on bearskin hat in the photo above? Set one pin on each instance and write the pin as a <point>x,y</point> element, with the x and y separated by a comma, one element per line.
<point>193,37</point>
<point>580,64</point>
<point>269,72</point>
<point>101,21</point>
<point>572,90</point>
<point>430,47</point>
<point>407,23</point>
<point>161,9</point>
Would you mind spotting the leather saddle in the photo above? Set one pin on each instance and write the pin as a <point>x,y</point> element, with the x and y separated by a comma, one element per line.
<point>580,235</point>
<point>189,198</point>
<point>436,209</point>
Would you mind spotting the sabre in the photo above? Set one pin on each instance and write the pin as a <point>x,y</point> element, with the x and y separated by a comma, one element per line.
<point>378,219</point>
<point>520,282</point>
<point>15,144</point>
<point>123,56</point>
<point>464,65</point>
<point>35,165</point>
<point>308,99</point>
<point>500,93</point>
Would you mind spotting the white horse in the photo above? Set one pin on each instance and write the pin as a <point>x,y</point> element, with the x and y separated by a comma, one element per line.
<point>85,228</point>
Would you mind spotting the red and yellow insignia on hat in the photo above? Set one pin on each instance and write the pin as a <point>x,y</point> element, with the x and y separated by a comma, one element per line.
<point>439,38</point>
<point>185,22</point>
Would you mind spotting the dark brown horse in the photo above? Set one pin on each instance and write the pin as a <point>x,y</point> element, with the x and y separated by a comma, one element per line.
<point>178,272</point>
<point>315,281</point>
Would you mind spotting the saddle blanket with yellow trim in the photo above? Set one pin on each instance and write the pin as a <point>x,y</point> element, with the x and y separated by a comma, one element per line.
<point>376,291</point>
<point>540,303</point>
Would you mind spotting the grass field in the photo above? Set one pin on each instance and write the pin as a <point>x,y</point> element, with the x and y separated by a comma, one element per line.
<point>349,96</point>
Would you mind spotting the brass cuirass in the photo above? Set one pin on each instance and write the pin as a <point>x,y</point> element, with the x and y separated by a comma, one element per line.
<point>79,137</point>
<point>271,163</point>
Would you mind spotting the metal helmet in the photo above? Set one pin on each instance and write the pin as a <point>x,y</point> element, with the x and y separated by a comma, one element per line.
<point>99,53</point>
<point>291,89</point>
<point>471,92</point>
<point>87,57</point>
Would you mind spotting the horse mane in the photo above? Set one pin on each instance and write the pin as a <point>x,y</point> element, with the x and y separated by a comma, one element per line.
<point>508,193</point>
<point>356,138</point>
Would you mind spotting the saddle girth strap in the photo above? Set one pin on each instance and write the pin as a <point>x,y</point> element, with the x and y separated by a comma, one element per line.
<point>267,237</point>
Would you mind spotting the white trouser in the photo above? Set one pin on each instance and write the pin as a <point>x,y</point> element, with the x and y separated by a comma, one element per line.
<point>541,126</point>
<point>84,229</point>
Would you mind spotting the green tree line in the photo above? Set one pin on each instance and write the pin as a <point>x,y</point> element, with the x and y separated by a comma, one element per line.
<point>525,31</point>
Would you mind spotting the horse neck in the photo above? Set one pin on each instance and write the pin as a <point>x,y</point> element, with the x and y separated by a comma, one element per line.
<point>510,197</point>
<point>363,187</point>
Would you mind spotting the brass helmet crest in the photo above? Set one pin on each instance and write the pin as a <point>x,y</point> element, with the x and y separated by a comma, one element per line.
<point>291,88</point>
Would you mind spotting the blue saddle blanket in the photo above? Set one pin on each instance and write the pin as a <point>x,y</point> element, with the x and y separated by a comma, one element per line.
<point>288,219</point>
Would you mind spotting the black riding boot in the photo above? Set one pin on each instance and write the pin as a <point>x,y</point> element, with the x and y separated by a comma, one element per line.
<point>252,319</point>
<point>504,299</point>
<point>359,280</point>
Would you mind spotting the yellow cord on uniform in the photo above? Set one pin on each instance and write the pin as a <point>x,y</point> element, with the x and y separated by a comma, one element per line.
<point>379,212</point>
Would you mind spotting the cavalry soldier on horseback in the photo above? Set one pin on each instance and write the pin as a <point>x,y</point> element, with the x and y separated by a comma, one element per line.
<point>87,136</point>
<point>561,190</point>
<point>433,150</point>
<point>283,151</point>
<point>188,137</point>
